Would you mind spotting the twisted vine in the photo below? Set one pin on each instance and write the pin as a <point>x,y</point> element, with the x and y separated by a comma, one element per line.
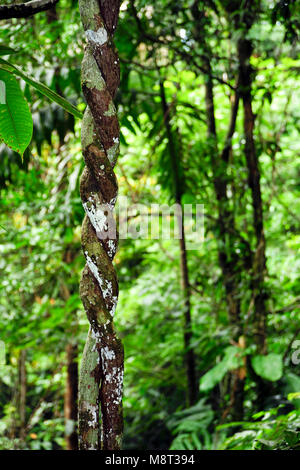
<point>101,375</point>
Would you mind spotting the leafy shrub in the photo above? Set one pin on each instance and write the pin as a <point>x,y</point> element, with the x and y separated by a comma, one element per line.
<point>269,431</point>
<point>190,427</point>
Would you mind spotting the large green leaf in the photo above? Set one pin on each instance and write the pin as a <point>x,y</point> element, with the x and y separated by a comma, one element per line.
<point>230,361</point>
<point>41,87</point>
<point>6,50</point>
<point>268,367</point>
<point>15,117</point>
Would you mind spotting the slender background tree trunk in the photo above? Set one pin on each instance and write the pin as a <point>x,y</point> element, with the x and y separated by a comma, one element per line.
<point>192,392</point>
<point>259,261</point>
<point>22,393</point>
<point>71,395</point>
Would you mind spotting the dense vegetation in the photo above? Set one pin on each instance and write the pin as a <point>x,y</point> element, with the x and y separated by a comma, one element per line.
<point>209,113</point>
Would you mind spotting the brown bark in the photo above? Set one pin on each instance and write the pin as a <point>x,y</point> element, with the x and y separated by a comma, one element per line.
<point>259,261</point>
<point>228,258</point>
<point>189,351</point>
<point>188,335</point>
<point>22,393</point>
<point>71,389</point>
<point>71,394</point>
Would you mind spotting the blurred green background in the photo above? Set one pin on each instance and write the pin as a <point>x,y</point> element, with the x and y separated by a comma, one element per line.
<point>172,51</point>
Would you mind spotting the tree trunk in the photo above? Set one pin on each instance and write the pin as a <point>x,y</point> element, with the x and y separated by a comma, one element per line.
<point>71,390</point>
<point>228,258</point>
<point>259,262</point>
<point>22,393</point>
<point>192,392</point>
<point>71,394</point>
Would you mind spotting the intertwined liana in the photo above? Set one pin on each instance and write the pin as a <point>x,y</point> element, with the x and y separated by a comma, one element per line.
<point>101,376</point>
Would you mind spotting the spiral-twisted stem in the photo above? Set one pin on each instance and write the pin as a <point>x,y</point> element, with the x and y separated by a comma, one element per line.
<point>101,376</point>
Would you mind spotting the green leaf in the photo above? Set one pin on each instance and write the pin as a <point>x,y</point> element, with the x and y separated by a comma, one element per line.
<point>292,386</point>
<point>15,117</point>
<point>188,199</point>
<point>216,374</point>
<point>43,89</point>
<point>269,367</point>
<point>293,396</point>
<point>6,50</point>
<point>127,123</point>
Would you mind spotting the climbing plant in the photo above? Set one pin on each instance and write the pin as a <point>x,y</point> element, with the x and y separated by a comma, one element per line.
<point>101,377</point>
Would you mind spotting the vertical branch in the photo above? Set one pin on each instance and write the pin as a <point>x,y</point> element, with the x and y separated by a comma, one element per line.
<point>70,402</point>
<point>228,261</point>
<point>228,258</point>
<point>101,376</point>
<point>189,351</point>
<point>22,393</point>
<point>259,262</point>
<point>71,390</point>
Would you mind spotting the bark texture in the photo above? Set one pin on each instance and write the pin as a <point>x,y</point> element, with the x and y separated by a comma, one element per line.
<point>101,375</point>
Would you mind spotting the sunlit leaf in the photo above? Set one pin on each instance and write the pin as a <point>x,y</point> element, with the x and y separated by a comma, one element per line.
<point>41,87</point>
<point>269,367</point>
<point>15,117</point>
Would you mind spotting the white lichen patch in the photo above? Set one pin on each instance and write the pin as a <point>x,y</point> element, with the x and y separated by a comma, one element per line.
<point>98,37</point>
<point>93,267</point>
<point>93,411</point>
<point>95,334</point>
<point>113,308</point>
<point>112,244</point>
<point>105,285</point>
<point>95,211</point>
<point>107,355</point>
<point>115,377</point>
<point>107,290</point>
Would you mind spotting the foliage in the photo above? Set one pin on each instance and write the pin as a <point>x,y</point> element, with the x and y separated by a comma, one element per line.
<point>191,427</point>
<point>41,215</point>
<point>15,118</point>
<point>229,362</point>
<point>270,430</point>
<point>269,367</point>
